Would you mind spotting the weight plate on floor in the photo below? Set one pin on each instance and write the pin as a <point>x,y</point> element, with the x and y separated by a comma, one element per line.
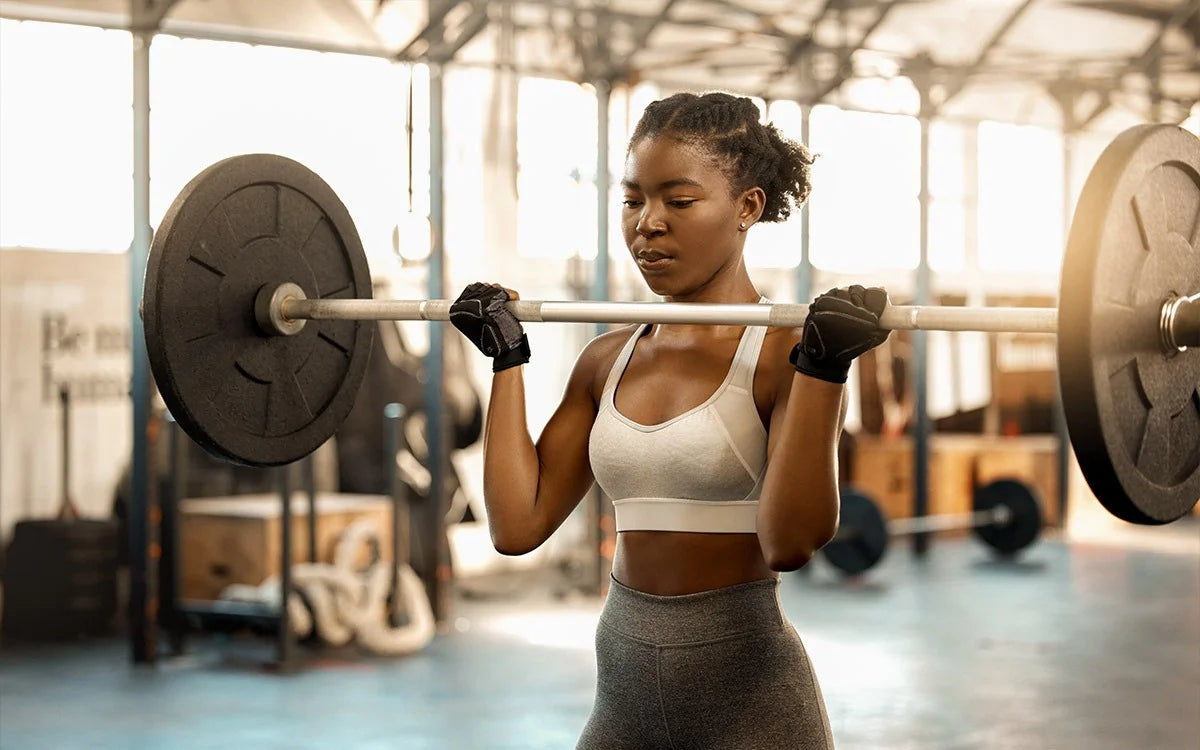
<point>245,396</point>
<point>1024,523</point>
<point>862,536</point>
<point>1133,411</point>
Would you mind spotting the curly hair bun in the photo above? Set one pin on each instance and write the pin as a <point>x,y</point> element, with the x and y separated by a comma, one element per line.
<point>753,153</point>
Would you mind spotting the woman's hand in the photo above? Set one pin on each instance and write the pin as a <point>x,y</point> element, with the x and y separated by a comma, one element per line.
<point>841,325</point>
<point>481,314</point>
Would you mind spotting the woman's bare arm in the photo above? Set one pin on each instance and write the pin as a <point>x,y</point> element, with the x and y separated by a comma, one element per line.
<point>798,507</point>
<point>530,488</point>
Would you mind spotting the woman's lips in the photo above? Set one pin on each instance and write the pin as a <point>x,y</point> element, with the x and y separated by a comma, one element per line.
<point>654,261</point>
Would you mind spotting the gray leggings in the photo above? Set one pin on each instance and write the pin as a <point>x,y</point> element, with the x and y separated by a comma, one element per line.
<point>718,669</point>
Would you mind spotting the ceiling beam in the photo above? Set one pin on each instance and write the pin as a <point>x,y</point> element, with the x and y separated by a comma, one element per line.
<point>843,69</point>
<point>1154,50</point>
<point>963,76</point>
<point>591,44</point>
<point>148,15</point>
<point>347,12</point>
<point>474,23</point>
<point>1141,63</point>
<point>622,70</point>
<point>434,28</point>
<point>801,48</point>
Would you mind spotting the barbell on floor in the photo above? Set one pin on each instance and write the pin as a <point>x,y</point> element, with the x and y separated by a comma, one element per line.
<point>1006,516</point>
<point>256,245</point>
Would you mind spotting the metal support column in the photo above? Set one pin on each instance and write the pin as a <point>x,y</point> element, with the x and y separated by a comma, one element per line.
<point>600,280</point>
<point>804,271</point>
<point>285,643</point>
<point>171,587</point>
<point>308,474</point>
<point>922,428</point>
<point>431,522</point>
<point>599,507</point>
<point>143,541</point>
<point>397,491</point>
<point>1154,78</point>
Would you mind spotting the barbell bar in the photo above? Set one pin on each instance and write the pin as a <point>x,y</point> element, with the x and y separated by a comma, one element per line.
<point>1179,319</point>
<point>997,516</point>
<point>895,317</point>
<point>1007,516</point>
<point>257,298</point>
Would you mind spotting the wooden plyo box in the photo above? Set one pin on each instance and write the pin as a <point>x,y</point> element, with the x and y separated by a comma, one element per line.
<point>239,539</point>
<point>883,469</point>
<point>1031,458</point>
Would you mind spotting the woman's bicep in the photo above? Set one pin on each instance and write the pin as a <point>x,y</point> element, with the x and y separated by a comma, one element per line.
<point>781,390</point>
<point>813,412</point>
<point>564,469</point>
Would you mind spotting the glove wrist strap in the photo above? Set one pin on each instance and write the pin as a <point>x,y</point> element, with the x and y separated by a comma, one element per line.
<point>518,355</point>
<point>833,372</point>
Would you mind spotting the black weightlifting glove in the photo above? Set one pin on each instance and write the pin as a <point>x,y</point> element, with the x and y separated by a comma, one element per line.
<point>480,313</point>
<point>841,325</point>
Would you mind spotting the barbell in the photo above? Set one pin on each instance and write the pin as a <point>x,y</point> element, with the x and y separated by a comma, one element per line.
<point>257,289</point>
<point>1006,515</point>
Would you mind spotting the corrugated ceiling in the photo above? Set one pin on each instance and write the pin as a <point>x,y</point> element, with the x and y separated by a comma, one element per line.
<point>1008,60</point>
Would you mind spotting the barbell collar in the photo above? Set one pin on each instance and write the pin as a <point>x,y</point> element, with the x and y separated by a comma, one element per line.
<point>895,317</point>
<point>268,309</point>
<point>1180,323</point>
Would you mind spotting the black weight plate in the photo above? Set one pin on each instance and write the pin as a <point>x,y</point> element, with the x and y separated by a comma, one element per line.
<point>1024,523</point>
<point>1133,411</point>
<point>862,537</point>
<point>244,396</point>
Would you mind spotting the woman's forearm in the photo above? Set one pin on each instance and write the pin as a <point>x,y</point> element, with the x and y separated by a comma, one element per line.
<point>510,465</point>
<point>798,507</point>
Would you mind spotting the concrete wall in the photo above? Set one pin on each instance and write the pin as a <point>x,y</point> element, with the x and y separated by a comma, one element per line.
<point>64,322</point>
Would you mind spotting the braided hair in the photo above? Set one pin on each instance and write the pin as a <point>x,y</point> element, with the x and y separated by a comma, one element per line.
<point>749,152</point>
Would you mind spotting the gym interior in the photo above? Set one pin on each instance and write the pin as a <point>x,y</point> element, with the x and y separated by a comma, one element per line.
<point>1017,560</point>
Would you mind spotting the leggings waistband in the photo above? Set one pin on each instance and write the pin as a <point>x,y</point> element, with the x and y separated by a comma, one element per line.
<point>688,618</point>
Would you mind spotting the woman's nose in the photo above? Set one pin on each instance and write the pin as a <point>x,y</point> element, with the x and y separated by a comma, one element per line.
<point>650,223</point>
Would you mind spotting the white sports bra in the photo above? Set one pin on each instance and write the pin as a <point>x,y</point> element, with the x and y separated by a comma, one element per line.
<point>701,471</point>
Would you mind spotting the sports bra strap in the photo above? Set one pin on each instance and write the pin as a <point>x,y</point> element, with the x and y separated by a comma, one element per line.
<point>622,361</point>
<point>745,361</point>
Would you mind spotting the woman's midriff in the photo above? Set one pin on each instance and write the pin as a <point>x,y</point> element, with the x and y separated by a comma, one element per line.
<point>670,563</point>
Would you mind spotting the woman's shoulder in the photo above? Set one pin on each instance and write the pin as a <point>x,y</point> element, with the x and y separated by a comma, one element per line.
<point>600,354</point>
<point>773,357</point>
<point>780,341</point>
<point>595,361</point>
<point>604,348</point>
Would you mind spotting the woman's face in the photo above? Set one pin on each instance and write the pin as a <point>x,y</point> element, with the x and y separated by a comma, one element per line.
<point>679,219</point>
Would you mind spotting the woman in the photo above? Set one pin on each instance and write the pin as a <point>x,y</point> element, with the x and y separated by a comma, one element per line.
<point>717,445</point>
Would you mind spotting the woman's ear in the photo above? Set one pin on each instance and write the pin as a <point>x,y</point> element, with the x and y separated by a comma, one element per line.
<point>750,207</point>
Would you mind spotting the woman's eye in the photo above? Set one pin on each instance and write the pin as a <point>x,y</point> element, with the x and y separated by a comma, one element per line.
<point>631,203</point>
<point>681,203</point>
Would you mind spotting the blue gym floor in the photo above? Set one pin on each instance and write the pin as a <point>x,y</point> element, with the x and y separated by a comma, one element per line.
<point>1090,645</point>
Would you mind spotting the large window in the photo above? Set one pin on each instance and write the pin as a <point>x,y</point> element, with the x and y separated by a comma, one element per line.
<point>66,129</point>
<point>778,245</point>
<point>947,196</point>
<point>864,214</point>
<point>66,137</point>
<point>343,116</point>
<point>556,167</point>
<point>1020,199</point>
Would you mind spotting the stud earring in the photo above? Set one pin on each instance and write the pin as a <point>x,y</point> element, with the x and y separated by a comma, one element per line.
<point>743,226</point>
